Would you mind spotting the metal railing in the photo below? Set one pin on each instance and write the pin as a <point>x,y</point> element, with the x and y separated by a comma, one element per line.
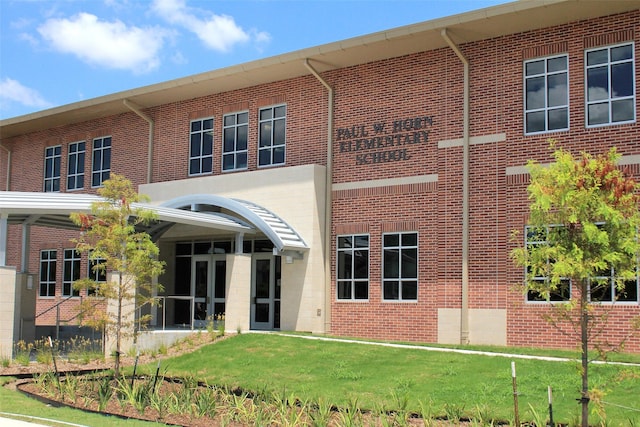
<point>165,298</point>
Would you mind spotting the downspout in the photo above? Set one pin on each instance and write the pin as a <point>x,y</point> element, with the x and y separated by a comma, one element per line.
<point>136,109</point>
<point>8,165</point>
<point>328,200</point>
<point>464,311</point>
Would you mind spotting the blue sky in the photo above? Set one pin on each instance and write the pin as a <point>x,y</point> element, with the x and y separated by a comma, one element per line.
<point>56,52</point>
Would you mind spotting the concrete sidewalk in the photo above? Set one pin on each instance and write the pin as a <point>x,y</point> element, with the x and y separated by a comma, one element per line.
<point>34,421</point>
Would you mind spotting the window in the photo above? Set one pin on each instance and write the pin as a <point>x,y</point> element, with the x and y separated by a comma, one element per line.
<point>400,266</point>
<point>546,94</point>
<point>75,167</point>
<point>52,168</point>
<point>70,272</point>
<point>101,161</point>
<point>535,237</point>
<point>353,267</point>
<point>48,273</point>
<point>271,149</point>
<point>610,85</point>
<point>98,275</point>
<point>603,288</point>
<point>234,141</point>
<point>201,147</point>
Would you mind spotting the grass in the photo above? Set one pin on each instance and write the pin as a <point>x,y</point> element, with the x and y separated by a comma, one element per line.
<point>380,376</point>
<point>16,403</point>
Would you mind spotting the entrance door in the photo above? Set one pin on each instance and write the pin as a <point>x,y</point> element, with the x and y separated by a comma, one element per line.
<point>265,292</point>
<point>208,287</point>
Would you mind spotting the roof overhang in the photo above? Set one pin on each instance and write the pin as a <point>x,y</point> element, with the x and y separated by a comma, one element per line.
<point>496,21</point>
<point>53,210</point>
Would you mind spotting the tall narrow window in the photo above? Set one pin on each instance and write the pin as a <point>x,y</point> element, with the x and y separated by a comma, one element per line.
<point>400,266</point>
<point>271,146</point>
<point>52,168</point>
<point>353,267</point>
<point>48,273</point>
<point>610,85</point>
<point>201,147</point>
<point>101,167</point>
<point>70,272</point>
<point>234,141</point>
<point>75,166</point>
<point>535,238</point>
<point>546,94</point>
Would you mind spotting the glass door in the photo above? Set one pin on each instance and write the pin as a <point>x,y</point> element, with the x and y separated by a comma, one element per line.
<point>208,285</point>
<point>265,292</point>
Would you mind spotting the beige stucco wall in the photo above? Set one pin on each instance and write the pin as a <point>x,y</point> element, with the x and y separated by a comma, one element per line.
<point>295,194</point>
<point>7,310</point>
<point>486,326</point>
<point>238,293</point>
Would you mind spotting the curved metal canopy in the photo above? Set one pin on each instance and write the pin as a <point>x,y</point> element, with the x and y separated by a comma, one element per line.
<point>281,234</point>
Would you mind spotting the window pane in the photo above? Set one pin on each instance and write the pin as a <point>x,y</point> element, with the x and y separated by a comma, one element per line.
<point>265,134</point>
<point>557,90</point>
<point>557,64</point>
<point>227,162</point>
<point>280,111</point>
<point>410,239</point>
<point>264,157</point>
<point>361,264</point>
<point>535,93</point>
<point>535,122</point>
<point>598,113</point>
<point>229,142</point>
<point>278,155</point>
<point>195,126</point>
<point>534,67</point>
<point>597,84</point>
<point>391,240</point>
<point>195,145</point>
<point>361,290</point>
<point>265,114</point>
<point>597,57</point>
<point>345,242</point>
<point>278,132</point>
<point>391,263</point>
<point>629,293</point>
<point>344,290</point>
<point>207,124</point>
<point>194,166</point>
<point>622,79</point>
<point>229,120</point>
<point>558,119</point>
<point>622,111</point>
<point>345,265</point>
<point>207,164</point>
<point>243,118</point>
<point>409,263</point>
<point>410,290</point>
<point>241,161</point>
<point>391,290</point>
<point>242,138</point>
<point>621,53</point>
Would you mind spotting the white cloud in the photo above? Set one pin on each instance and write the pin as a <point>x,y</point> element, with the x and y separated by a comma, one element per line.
<point>13,91</point>
<point>107,44</point>
<point>218,32</point>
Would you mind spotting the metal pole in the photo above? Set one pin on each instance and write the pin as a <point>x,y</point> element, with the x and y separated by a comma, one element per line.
<point>515,393</point>
<point>551,424</point>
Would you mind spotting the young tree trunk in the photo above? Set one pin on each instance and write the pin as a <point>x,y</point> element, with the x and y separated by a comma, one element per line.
<point>584,324</point>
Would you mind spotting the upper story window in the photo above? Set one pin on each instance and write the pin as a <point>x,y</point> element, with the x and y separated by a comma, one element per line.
<point>535,237</point>
<point>234,141</point>
<point>271,146</point>
<point>546,94</point>
<point>610,85</point>
<point>75,166</point>
<point>70,272</point>
<point>201,147</point>
<point>52,168</point>
<point>48,273</point>
<point>353,267</point>
<point>400,266</point>
<point>101,164</point>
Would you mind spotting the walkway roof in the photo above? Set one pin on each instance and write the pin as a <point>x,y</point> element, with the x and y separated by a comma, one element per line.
<point>53,210</point>
<point>481,24</point>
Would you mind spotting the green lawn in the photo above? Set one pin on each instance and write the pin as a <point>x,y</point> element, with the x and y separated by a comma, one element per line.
<point>342,372</point>
<point>375,376</point>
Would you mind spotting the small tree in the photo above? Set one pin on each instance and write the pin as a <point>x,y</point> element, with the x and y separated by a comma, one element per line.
<point>586,209</point>
<point>109,237</point>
